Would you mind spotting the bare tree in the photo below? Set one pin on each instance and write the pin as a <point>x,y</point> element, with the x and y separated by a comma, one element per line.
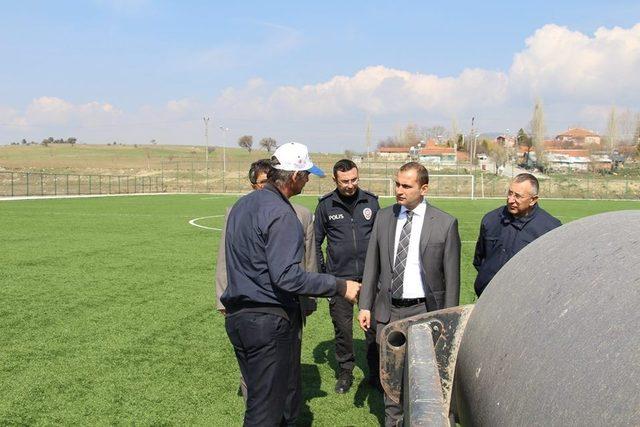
<point>268,144</point>
<point>626,127</point>
<point>612,131</point>
<point>537,131</point>
<point>454,132</point>
<point>246,141</point>
<point>636,135</point>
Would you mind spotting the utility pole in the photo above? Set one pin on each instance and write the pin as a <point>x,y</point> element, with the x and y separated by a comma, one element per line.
<point>224,148</point>
<point>368,138</point>
<point>206,141</point>
<point>472,141</point>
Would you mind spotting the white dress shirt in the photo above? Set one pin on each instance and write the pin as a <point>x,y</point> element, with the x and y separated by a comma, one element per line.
<point>412,286</point>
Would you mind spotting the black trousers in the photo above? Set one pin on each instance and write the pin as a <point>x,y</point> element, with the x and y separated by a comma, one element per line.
<point>341,312</point>
<point>265,347</point>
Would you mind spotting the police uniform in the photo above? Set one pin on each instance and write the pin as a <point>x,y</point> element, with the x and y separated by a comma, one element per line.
<point>346,225</point>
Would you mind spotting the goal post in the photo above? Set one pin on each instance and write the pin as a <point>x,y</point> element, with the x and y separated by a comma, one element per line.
<point>439,186</point>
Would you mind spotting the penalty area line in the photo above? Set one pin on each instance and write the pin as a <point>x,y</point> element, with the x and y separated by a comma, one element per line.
<point>194,222</point>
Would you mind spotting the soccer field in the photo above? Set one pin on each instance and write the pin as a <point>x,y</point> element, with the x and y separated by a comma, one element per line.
<point>108,313</point>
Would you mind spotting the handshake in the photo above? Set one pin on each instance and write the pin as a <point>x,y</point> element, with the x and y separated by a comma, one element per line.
<point>352,291</point>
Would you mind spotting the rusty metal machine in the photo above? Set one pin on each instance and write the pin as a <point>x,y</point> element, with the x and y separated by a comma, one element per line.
<point>554,339</point>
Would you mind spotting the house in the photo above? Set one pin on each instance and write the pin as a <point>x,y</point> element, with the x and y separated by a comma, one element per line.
<point>559,159</point>
<point>578,137</point>
<point>430,153</point>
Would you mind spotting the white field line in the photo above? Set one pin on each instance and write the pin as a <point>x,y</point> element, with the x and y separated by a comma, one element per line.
<point>195,224</point>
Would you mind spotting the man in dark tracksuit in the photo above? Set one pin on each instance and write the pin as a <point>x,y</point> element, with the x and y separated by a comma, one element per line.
<point>345,217</point>
<point>263,249</point>
<point>508,229</point>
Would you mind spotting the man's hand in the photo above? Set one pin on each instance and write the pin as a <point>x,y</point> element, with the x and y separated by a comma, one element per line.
<point>353,288</point>
<point>364,318</point>
<point>222,311</point>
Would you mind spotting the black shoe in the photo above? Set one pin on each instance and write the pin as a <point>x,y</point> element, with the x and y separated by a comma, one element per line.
<point>345,381</point>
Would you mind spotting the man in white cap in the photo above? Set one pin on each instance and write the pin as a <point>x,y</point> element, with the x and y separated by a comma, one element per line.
<point>263,250</point>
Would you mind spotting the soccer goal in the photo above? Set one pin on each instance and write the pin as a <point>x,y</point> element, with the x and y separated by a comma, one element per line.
<point>439,186</point>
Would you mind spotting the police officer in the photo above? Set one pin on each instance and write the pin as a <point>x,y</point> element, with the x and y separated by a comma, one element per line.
<point>263,249</point>
<point>345,218</point>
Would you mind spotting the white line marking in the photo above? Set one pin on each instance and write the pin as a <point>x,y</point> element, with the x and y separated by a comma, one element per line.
<point>193,222</point>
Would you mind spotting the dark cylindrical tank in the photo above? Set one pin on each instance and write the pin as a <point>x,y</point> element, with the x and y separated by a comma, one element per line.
<point>555,337</point>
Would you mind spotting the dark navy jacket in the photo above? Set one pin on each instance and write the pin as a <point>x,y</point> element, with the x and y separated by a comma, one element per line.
<point>263,247</point>
<point>347,233</point>
<point>502,236</point>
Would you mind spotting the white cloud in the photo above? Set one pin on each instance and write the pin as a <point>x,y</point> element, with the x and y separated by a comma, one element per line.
<point>578,76</point>
<point>559,63</point>
<point>56,111</point>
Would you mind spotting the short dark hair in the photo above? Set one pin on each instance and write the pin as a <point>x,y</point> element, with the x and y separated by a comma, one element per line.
<point>343,165</point>
<point>522,177</point>
<point>258,167</point>
<point>421,171</point>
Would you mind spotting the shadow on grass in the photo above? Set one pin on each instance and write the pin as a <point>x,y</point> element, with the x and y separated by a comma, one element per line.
<point>371,396</point>
<point>324,353</point>
<point>311,382</point>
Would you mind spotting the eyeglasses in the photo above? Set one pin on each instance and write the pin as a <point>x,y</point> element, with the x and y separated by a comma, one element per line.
<point>518,197</point>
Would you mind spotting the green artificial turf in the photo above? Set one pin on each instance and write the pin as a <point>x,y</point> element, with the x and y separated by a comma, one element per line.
<point>107,314</point>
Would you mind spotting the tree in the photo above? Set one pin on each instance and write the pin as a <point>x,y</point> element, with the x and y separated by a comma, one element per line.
<point>454,133</point>
<point>497,152</point>
<point>612,132</point>
<point>246,141</point>
<point>636,135</point>
<point>268,144</point>
<point>537,132</point>
<point>523,139</point>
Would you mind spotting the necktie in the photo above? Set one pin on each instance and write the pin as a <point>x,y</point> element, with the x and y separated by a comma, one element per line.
<point>401,258</point>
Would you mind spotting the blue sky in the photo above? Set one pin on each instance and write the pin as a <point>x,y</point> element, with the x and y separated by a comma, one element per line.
<point>133,71</point>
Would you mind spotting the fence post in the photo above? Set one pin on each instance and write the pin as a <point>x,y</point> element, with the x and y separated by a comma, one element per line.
<point>67,186</point>
<point>11,184</point>
<point>79,182</point>
<point>89,184</point>
<point>178,176</point>
<point>41,185</point>
<point>192,177</point>
<point>55,184</point>
<point>27,184</point>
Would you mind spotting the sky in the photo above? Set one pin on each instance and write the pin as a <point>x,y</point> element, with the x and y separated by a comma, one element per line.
<point>319,73</point>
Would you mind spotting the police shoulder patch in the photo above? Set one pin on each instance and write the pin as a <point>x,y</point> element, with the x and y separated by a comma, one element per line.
<point>367,213</point>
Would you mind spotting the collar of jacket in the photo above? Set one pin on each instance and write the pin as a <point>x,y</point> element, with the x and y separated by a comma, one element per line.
<point>274,189</point>
<point>507,218</point>
<point>336,197</point>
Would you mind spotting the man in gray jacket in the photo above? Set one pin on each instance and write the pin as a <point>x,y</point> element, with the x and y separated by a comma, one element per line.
<point>413,262</point>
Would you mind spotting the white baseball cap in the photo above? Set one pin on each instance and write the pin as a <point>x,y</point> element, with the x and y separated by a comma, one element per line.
<point>294,156</point>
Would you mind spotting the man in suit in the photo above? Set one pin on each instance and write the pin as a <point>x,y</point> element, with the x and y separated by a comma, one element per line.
<point>413,261</point>
<point>258,178</point>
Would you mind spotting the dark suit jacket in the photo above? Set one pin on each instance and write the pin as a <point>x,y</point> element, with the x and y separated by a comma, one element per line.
<point>309,262</point>
<point>440,262</point>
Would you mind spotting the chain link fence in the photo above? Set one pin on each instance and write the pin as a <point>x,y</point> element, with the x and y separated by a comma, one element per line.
<point>232,177</point>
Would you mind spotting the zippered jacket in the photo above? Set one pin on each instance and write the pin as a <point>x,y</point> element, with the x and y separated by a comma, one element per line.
<point>347,232</point>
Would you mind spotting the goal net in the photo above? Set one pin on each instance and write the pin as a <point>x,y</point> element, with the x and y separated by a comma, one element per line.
<point>439,186</point>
